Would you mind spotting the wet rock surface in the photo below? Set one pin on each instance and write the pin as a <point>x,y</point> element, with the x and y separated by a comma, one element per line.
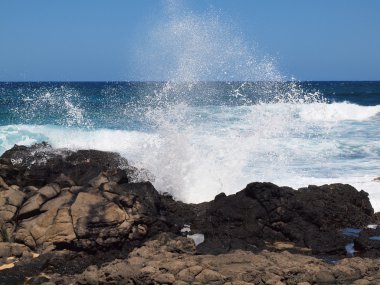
<point>81,217</point>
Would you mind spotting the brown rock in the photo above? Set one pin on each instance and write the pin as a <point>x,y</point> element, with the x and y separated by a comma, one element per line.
<point>24,236</point>
<point>8,249</point>
<point>361,282</point>
<point>94,216</point>
<point>324,276</point>
<point>10,201</point>
<point>188,274</point>
<point>164,278</point>
<point>174,266</point>
<point>90,276</point>
<point>7,213</point>
<point>63,200</point>
<point>12,197</point>
<point>237,283</point>
<point>62,231</point>
<point>210,276</point>
<point>180,282</point>
<point>98,180</point>
<point>32,206</point>
<point>50,191</point>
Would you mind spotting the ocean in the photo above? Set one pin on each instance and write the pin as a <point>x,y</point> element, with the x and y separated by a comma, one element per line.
<point>197,139</point>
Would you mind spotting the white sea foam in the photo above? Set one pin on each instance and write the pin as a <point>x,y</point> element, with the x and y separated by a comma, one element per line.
<point>228,148</point>
<point>338,112</point>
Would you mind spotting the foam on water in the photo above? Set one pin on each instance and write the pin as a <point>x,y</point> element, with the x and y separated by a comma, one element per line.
<point>338,112</point>
<point>225,148</point>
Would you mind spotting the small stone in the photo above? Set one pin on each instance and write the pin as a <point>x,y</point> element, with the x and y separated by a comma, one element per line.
<point>27,255</point>
<point>175,266</point>
<point>208,275</point>
<point>148,270</point>
<point>361,282</point>
<point>164,278</point>
<point>15,187</point>
<point>188,274</point>
<point>324,277</point>
<point>180,282</point>
<point>274,282</point>
<point>90,276</point>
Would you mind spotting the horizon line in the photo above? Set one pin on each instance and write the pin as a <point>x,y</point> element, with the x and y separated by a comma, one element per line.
<point>165,81</point>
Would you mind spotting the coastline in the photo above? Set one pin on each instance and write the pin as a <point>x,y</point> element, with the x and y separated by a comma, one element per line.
<point>79,217</point>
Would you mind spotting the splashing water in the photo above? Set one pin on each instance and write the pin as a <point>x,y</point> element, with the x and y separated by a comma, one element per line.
<point>191,160</point>
<point>61,104</point>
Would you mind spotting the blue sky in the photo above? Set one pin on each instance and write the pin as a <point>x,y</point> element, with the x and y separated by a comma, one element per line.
<point>93,40</point>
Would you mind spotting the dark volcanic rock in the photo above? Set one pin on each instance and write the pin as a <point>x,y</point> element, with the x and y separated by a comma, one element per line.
<point>40,164</point>
<point>367,244</point>
<point>264,213</point>
<point>86,202</point>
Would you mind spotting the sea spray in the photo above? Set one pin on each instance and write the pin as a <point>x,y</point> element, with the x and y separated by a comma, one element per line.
<point>195,163</point>
<point>61,105</point>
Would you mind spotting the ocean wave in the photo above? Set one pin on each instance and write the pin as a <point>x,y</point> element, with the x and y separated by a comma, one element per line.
<point>226,149</point>
<point>73,138</point>
<point>333,112</point>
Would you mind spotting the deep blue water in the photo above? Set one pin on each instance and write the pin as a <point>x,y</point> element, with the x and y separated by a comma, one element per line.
<point>21,102</point>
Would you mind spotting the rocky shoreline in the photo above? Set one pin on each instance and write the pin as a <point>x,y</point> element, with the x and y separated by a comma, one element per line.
<point>82,217</point>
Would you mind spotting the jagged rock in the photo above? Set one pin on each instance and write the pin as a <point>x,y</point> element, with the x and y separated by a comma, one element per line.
<point>40,164</point>
<point>8,249</point>
<point>149,265</point>
<point>10,201</point>
<point>96,218</point>
<point>101,207</point>
<point>85,201</point>
<point>309,217</point>
<point>33,204</point>
<point>80,213</point>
